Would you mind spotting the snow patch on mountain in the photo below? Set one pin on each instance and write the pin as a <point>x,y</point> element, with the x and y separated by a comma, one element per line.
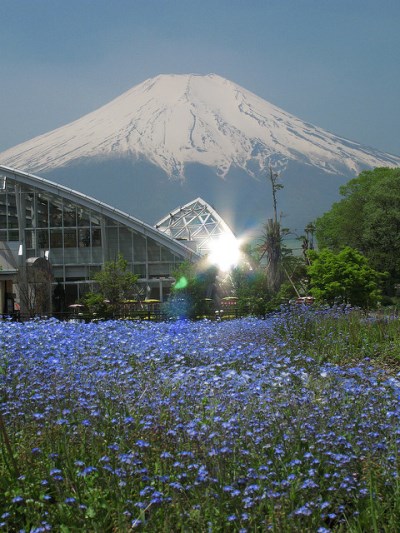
<point>175,120</point>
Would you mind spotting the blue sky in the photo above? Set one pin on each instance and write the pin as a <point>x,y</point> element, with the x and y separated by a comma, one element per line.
<point>334,63</point>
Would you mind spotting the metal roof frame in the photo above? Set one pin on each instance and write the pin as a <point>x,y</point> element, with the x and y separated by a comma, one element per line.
<point>196,222</point>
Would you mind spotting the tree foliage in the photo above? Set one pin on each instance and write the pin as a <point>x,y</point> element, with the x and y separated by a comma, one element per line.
<point>115,284</point>
<point>367,219</point>
<point>115,281</point>
<point>344,277</point>
<point>195,291</point>
<point>251,286</point>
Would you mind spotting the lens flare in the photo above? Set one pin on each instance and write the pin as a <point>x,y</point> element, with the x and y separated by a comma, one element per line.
<point>182,283</point>
<point>225,252</point>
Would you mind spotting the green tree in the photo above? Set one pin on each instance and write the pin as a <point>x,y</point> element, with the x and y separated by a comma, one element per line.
<point>367,219</point>
<point>295,281</point>
<point>251,283</point>
<point>251,286</point>
<point>96,304</point>
<point>307,240</point>
<point>194,292</point>
<point>344,277</point>
<point>115,284</point>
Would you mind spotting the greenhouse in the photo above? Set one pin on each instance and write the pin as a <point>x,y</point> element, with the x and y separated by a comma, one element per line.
<point>50,232</point>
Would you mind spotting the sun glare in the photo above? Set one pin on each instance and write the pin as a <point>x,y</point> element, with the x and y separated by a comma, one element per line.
<point>225,252</point>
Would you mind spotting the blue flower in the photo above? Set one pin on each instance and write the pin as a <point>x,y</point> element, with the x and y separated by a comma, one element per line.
<point>166,455</point>
<point>87,471</point>
<point>142,444</point>
<point>210,395</point>
<point>303,511</point>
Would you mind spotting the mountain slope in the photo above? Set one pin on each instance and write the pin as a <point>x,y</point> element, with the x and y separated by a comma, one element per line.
<point>174,120</point>
<point>174,138</point>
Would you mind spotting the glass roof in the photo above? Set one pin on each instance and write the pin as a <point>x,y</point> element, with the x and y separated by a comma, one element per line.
<point>197,223</point>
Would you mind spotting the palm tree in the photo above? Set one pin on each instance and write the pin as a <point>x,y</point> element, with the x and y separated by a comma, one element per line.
<point>271,245</point>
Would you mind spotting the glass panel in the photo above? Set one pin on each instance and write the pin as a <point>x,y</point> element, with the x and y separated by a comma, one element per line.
<point>171,268</point>
<point>84,255</point>
<point>109,222</point>
<point>95,219</point>
<point>56,256</point>
<point>13,235</point>
<point>12,212</point>
<point>153,250</point>
<point>29,211</point>
<point>140,270</point>
<point>29,239</point>
<point>96,237</point>
<point>166,255</point>
<point>3,235</point>
<point>55,215</point>
<point>3,204</point>
<point>125,243</point>
<point>158,270</point>
<point>97,255</point>
<point>42,212</point>
<point>83,217</point>
<point>70,240</point>
<point>83,237</point>
<point>58,273</point>
<point>76,272</point>
<point>69,215</point>
<point>43,238</point>
<point>55,238</point>
<point>112,243</point>
<point>10,185</point>
<point>70,255</point>
<point>139,246</point>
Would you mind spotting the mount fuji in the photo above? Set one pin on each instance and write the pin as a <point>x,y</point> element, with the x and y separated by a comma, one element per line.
<point>173,138</point>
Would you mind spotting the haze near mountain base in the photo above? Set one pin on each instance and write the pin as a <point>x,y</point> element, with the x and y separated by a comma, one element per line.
<point>176,137</point>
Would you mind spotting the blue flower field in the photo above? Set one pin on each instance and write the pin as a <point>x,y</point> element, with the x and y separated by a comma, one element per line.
<point>285,424</point>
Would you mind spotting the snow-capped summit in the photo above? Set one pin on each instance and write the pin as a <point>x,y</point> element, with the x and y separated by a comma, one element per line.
<point>174,120</point>
<point>174,138</point>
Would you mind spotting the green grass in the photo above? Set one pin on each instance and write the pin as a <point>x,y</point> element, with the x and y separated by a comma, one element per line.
<point>344,337</point>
